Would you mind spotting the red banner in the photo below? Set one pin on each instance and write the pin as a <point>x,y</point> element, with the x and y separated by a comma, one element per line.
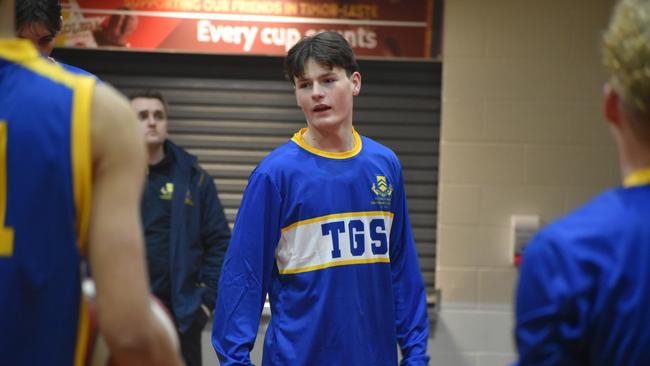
<point>384,28</point>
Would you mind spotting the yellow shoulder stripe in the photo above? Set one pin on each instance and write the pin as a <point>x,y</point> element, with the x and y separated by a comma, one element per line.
<point>336,216</point>
<point>82,156</point>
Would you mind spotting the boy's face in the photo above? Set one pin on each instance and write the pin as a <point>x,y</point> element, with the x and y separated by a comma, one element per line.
<point>325,96</point>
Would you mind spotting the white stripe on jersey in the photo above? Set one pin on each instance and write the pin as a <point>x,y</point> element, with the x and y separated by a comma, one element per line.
<point>334,240</point>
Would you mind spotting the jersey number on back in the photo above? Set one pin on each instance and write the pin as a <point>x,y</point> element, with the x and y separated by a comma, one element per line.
<point>6,233</point>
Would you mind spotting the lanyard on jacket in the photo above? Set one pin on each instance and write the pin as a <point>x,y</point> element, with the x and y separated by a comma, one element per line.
<point>637,178</point>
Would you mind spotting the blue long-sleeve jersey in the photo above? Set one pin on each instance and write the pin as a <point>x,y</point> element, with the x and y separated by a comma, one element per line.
<point>327,236</point>
<point>583,296</point>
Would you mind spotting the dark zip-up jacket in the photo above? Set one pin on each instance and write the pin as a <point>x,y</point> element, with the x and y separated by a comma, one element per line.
<point>198,238</point>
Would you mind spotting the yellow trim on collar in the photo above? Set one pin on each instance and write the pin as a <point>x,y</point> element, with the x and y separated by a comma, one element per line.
<point>297,138</point>
<point>637,178</point>
<point>17,50</point>
<point>22,52</point>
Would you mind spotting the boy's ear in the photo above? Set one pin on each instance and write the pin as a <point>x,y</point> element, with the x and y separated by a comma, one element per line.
<point>356,83</point>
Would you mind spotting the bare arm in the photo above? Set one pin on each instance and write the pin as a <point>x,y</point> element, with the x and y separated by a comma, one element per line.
<point>115,236</point>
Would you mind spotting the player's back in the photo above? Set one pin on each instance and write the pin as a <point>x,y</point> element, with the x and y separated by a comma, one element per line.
<point>45,172</point>
<point>590,269</point>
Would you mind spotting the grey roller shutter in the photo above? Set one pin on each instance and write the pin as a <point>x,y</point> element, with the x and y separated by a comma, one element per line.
<point>231,111</point>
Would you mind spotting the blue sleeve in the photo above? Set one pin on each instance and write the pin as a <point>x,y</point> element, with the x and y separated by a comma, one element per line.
<point>215,235</point>
<point>550,320</point>
<point>412,323</point>
<point>246,272</point>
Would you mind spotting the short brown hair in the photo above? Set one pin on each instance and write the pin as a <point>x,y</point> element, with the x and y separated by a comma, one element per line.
<point>150,94</point>
<point>326,48</point>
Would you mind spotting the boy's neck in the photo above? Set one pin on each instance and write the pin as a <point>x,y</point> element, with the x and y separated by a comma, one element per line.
<point>337,141</point>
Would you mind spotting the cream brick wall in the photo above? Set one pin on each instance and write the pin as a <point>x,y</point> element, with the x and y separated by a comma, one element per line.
<point>522,133</point>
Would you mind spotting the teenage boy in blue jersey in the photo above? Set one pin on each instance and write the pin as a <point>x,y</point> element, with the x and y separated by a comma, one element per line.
<point>323,229</point>
<point>584,286</point>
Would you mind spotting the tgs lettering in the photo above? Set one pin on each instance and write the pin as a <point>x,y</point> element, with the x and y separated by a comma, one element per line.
<point>357,235</point>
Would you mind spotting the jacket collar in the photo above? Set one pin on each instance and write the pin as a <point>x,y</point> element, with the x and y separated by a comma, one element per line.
<point>182,157</point>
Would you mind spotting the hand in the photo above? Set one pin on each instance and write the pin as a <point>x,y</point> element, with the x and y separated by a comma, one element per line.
<point>117,30</point>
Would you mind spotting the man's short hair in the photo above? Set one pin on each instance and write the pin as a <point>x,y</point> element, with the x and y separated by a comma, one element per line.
<point>326,48</point>
<point>47,12</point>
<point>150,94</point>
<point>626,54</point>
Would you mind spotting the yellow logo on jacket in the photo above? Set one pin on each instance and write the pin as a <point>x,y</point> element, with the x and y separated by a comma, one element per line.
<point>168,189</point>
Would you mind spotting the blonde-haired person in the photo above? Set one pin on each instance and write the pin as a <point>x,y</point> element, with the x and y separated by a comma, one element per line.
<point>584,285</point>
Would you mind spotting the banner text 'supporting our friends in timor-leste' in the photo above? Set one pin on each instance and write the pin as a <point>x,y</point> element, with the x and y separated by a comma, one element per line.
<point>382,28</point>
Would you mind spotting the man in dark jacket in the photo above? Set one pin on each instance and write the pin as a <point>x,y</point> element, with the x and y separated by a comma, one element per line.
<point>185,227</point>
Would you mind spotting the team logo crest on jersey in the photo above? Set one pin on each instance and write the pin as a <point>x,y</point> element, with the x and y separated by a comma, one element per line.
<point>382,190</point>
